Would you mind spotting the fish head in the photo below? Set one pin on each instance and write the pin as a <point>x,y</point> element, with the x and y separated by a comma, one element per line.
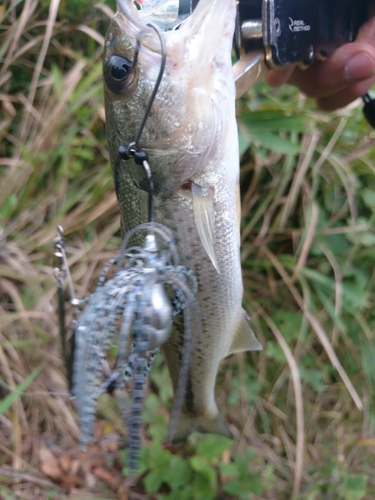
<point>183,128</point>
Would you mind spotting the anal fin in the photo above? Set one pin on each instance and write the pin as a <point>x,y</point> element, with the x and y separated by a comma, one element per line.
<point>243,338</point>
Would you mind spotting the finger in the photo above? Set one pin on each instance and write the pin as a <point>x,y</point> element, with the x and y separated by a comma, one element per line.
<point>349,64</point>
<point>366,32</point>
<point>278,78</point>
<point>345,97</point>
<point>342,78</point>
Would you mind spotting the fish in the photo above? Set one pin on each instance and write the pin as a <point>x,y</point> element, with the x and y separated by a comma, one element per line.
<point>191,142</point>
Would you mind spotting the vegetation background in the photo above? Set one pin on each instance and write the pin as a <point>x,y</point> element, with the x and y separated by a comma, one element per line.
<point>302,411</point>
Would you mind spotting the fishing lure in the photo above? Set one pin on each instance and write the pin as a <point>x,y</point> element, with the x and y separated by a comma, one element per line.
<point>134,310</point>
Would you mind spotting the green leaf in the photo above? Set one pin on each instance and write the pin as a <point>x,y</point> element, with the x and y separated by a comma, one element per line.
<point>243,488</point>
<point>354,487</point>
<point>57,79</point>
<point>153,480</point>
<point>331,310</point>
<point>162,380</point>
<point>312,377</point>
<point>203,467</point>
<point>243,462</point>
<point>203,489</point>
<point>244,142</point>
<point>368,239</point>
<point>6,494</point>
<point>233,487</point>
<point>274,351</point>
<point>230,469</point>
<point>273,142</point>
<point>289,323</point>
<point>275,120</point>
<point>9,205</point>
<point>179,472</point>
<point>182,494</point>
<point>368,196</point>
<point>212,446</point>
<point>262,128</point>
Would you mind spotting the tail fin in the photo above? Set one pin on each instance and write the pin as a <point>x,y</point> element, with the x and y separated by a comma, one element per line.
<point>188,424</point>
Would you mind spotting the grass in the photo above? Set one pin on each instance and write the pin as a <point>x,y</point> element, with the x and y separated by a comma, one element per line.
<point>302,411</point>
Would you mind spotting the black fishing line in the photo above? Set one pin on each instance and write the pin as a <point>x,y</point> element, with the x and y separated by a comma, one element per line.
<point>157,83</point>
<point>132,150</point>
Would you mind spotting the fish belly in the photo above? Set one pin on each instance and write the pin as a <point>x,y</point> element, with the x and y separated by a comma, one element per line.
<point>219,292</point>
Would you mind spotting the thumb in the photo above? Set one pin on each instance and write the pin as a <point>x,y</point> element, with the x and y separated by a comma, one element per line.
<point>348,65</point>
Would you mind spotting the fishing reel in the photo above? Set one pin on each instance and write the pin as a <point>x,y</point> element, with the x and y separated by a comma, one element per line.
<point>275,34</point>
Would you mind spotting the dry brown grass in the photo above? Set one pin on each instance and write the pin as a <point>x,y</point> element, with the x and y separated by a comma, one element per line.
<point>37,169</point>
<point>305,404</point>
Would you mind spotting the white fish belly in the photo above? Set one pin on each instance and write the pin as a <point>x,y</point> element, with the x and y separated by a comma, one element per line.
<point>219,294</point>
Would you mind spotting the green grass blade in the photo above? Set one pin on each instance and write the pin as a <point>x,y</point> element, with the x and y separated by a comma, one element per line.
<point>9,400</point>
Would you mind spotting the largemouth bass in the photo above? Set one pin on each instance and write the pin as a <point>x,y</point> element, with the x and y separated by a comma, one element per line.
<point>192,145</point>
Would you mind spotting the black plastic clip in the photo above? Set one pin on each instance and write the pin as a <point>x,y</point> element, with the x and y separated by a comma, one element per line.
<point>131,151</point>
<point>369,109</point>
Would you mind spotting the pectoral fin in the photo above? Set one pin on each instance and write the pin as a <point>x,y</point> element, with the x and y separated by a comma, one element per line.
<point>204,217</point>
<point>244,338</point>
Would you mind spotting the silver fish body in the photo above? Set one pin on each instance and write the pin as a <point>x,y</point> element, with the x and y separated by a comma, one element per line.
<point>192,145</point>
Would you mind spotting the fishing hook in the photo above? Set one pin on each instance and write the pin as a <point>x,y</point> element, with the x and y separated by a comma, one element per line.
<point>62,272</point>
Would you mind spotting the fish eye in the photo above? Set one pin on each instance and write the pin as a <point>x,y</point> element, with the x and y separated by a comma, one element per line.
<point>118,74</point>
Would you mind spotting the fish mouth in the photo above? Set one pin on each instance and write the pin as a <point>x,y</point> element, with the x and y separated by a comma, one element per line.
<point>167,14</point>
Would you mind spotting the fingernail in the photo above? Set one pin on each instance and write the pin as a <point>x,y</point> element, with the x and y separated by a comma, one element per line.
<point>359,67</point>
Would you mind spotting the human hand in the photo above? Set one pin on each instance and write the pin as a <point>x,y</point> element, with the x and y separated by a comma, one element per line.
<point>346,75</point>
